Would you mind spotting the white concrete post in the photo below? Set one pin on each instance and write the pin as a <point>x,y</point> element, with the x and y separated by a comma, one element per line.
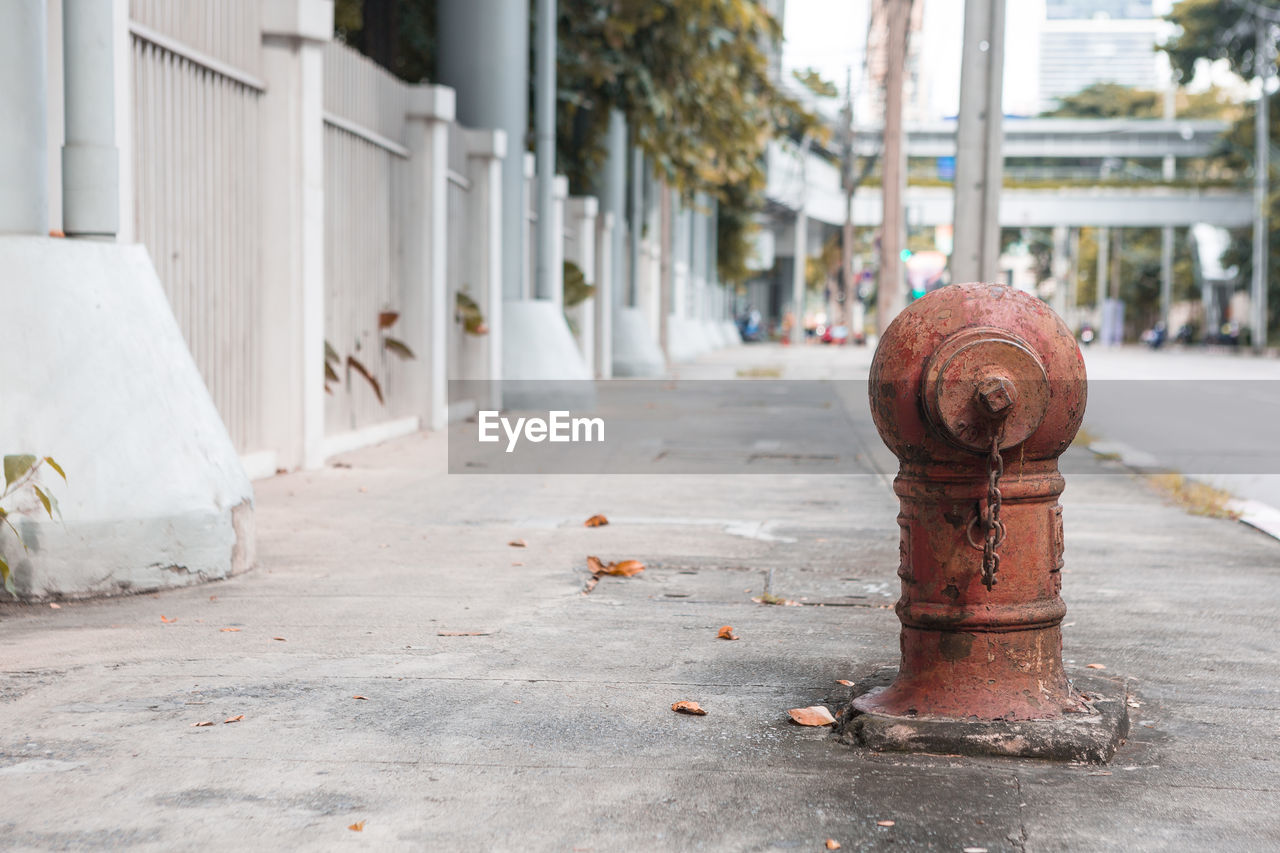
<point>24,193</point>
<point>485,152</point>
<point>90,160</point>
<point>292,307</point>
<point>607,273</point>
<point>553,287</point>
<point>1060,266</point>
<point>580,221</point>
<point>423,307</point>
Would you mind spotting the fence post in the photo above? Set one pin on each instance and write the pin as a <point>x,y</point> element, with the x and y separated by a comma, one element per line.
<point>292,308</point>
<point>485,154</point>
<point>580,221</point>
<point>426,316</point>
<point>606,284</point>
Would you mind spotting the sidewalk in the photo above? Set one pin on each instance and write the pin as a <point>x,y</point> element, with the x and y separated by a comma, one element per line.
<point>506,710</point>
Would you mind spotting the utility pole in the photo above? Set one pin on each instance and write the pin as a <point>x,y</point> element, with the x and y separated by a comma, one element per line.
<point>979,138</point>
<point>889,297</point>
<point>1261,166</point>
<point>848,291</point>
<point>802,245</point>
<point>1166,233</point>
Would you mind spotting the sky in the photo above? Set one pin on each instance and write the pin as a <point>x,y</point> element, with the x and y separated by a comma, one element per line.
<point>830,35</point>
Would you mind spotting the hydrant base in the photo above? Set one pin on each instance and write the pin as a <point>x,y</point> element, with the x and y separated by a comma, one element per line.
<point>1091,737</point>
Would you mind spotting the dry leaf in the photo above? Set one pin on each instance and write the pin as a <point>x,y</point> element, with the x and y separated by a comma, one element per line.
<point>358,696</point>
<point>358,826</point>
<point>815,715</point>
<point>832,844</point>
<point>518,543</point>
<point>768,598</point>
<point>1097,666</point>
<point>726,633</point>
<point>164,618</point>
<point>281,639</point>
<point>625,568</point>
<point>884,823</point>
<point>517,564</point>
<point>54,606</point>
<point>464,633</point>
<point>228,630</point>
<point>596,521</point>
<point>237,718</point>
<point>684,706</point>
<point>844,681</point>
<point>202,723</point>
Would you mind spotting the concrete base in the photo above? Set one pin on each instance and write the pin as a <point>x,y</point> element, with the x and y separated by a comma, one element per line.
<point>541,364</point>
<point>687,339</point>
<point>100,378</point>
<point>635,353</point>
<point>1091,737</point>
<point>714,334</point>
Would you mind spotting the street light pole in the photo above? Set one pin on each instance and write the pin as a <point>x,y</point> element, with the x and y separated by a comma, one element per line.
<point>889,293</point>
<point>1261,166</point>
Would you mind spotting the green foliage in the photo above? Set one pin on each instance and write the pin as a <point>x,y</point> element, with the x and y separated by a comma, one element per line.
<point>21,471</point>
<point>1109,100</point>
<point>399,35</point>
<point>467,312</point>
<point>576,289</point>
<point>693,81</point>
<point>814,82</point>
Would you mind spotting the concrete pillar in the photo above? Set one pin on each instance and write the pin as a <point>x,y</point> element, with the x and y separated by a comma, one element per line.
<point>483,54</point>
<point>486,150</point>
<point>551,243</point>
<point>607,270</point>
<point>1060,265</point>
<point>292,313</point>
<point>1166,274</point>
<point>611,187</point>
<point>423,308</point>
<point>90,160</point>
<point>636,227</point>
<point>24,194</point>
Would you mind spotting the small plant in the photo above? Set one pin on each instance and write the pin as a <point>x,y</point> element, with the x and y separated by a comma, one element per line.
<point>20,473</point>
<point>1195,497</point>
<point>332,361</point>
<point>576,291</point>
<point>468,313</point>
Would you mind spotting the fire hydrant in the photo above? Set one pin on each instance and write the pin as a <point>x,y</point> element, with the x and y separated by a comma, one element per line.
<point>978,389</point>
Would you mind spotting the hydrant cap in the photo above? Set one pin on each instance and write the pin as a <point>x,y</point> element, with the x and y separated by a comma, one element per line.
<point>968,361</point>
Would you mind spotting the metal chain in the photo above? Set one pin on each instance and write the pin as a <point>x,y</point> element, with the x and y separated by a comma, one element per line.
<point>992,526</point>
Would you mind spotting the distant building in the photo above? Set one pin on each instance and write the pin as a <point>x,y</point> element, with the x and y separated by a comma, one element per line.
<point>1083,42</point>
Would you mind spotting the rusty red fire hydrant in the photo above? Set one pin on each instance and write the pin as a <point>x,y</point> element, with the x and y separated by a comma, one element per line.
<point>978,389</point>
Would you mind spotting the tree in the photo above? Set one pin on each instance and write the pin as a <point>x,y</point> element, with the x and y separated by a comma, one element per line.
<point>1227,29</point>
<point>693,79</point>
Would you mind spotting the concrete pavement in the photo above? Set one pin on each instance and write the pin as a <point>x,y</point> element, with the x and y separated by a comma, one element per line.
<point>504,709</point>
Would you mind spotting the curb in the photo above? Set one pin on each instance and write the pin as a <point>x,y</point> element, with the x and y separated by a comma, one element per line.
<point>1255,514</point>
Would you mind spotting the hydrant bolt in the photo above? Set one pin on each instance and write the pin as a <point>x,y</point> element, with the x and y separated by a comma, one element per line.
<point>997,395</point>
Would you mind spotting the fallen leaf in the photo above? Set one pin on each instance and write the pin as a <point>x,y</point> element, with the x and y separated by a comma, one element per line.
<point>596,521</point>
<point>517,564</point>
<point>814,715</point>
<point>281,639</point>
<point>726,633</point>
<point>590,584</point>
<point>358,826</point>
<point>228,630</point>
<point>213,598</point>
<point>684,706</point>
<point>1097,666</point>
<point>884,823</point>
<point>364,489</point>
<point>237,718</point>
<point>518,543</point>
<point>832,844</point>
<point>358,696</point>
<point>54,606</point>
<point>844,681</point>
<point>164,618</point>
<point>464,633</point>
<point>202,723</point>
<point>624,569</point>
